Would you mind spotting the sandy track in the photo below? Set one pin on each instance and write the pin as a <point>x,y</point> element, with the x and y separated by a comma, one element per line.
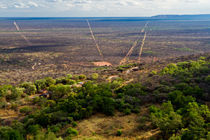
<point>21,34</point>
<point>134,45</point>
<point>142,45</point>
<point>97,46</point>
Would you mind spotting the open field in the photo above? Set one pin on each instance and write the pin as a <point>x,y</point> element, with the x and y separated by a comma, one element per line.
<point>55,47</point>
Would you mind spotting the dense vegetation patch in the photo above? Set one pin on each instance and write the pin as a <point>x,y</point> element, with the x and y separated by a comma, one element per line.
<point>50,107</point>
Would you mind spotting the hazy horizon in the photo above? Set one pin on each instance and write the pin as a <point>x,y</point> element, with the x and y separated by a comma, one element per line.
<point>101,8</point>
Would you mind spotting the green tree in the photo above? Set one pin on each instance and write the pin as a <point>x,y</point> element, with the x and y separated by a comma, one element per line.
<point>29,88</point>
<point>7,133</point>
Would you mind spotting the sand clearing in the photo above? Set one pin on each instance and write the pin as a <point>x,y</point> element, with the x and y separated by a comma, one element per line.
<point>101,64</point>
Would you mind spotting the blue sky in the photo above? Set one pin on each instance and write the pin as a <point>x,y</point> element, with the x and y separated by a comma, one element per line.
<point>100,8</point>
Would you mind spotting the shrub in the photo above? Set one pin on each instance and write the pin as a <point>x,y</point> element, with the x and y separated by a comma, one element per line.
<point>26,110</point>
<point>179,100</point>
<point>170,69</point>
<point>3,104</point>
<point>94,76</point>
<point>14,106</point>
<point>29,88</point>
<point>82,77</point>
<point>119,132</point>
<point>34,129</point>
<point>74,124</point>
<point>108,106</point>
<point>55,128</point>
<point>69,76</point>
<point>51,136</point>
<point>207,79</point>
<point>5,90</point>
<point>154,72</point>
<point>127,111</point>
<point>132,90</point>
<point>7,133</point>
<point>49,81</point>
<point>58,91</point>
<point>166,119</point>
<point>14,93</point>
<point>71,131</point>
<point>40,84</point>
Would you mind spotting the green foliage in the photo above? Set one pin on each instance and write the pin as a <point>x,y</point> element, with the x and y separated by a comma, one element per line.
<point>166,119</point>
<point>49,81</point>
<point>174,137</point>
<point>29,88</point>
<point>7,133</point>
<point>132,90</point>
<point>74,124</point>
<point>119,132</point>
<point>72,132</point>
<point>170,69</point>
<point>58,91</point>
<point>14,93</point>
<point>154,72</point>
<point>11,92</point>
<point>82,77</point>
<point>189,122</point>
<point>127,111</point>
<point>94,76</point>
<point>69,76</point>
<point>179,100</point>
<point>55,128</point>
<point>207,79</point>
<point>179,118</point>
<point>126,66</point>
<point>34,129</point>
<point>26,110</point>
<point>40,84</point>
<point>49,136</point>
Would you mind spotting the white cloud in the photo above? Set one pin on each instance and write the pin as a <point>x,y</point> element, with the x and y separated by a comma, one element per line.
<point>105,7</point>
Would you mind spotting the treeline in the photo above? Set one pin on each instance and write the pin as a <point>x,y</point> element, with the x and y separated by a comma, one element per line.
<point>183,87</point>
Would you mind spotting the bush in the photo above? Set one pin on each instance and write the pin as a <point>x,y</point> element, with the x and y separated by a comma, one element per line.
<point>69,76</point>
<point>58,91</point>
<point>179,100</point>
<point>7,133</point>
<point>34,129</point>
<point>170,69</point>
<point>207,79</point>
<point>55,128</point>
<point>94,76</point>
<point>119,132</point>
<point>127,111</point>
<point>82,77</point>
<point>132,90</point>
<point>14,93</point>
<point>14,106</point>
<point>29,88</point>
<point>154,72</point>
<point>166,119</point>
<point>49,81</point>
<point>40,84</point>
<point>26,110</point>
<point>108,106</point>
<point>71,131</point>
<point>74,124</point>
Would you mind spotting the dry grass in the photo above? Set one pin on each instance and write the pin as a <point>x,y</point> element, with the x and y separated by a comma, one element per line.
<point>101,127</point>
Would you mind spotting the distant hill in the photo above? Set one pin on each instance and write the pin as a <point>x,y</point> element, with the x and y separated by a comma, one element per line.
<point>183,17</point>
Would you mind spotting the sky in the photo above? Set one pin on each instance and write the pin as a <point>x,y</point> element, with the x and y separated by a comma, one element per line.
<point>101,8</point>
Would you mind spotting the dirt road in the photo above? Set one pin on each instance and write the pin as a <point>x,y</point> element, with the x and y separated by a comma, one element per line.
<point>97,46</point>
